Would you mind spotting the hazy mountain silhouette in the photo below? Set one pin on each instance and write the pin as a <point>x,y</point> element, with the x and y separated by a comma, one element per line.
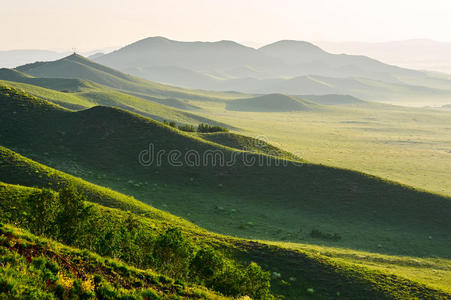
<point>287,66</point>
<point>158,56</point>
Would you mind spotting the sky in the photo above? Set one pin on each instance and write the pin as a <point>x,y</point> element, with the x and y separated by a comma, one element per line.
<point>97,24</point>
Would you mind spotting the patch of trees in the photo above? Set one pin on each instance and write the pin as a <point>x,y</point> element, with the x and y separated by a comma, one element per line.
<point>66,217</point>
<point>202,127</point>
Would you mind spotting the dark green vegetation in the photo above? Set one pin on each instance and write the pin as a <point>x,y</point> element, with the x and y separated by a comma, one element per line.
<point>201,128</point>
<point>66,217</point>
<point>271,103</point>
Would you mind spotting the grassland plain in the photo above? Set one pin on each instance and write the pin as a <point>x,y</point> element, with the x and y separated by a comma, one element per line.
<point>407,145</point>
<point>296,273</point>
<point>277,202</point>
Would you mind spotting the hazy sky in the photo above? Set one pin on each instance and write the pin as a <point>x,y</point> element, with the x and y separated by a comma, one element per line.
<point>91,24</point>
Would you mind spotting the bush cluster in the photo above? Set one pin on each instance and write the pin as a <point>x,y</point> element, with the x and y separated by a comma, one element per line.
<point>209,128</point>
<point>65,216</point>
<point>202,127</point>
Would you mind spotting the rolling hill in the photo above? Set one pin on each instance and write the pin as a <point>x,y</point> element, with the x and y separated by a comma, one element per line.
<point>78,67</point>
<point>281,199</point>
<point>271,103</point>
<point>332,99</point>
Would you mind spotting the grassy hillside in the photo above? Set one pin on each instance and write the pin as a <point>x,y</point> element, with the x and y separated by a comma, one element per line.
<point>79,67</point>
<point>295,273</point>
<point>280,200</point>
<point>332,99</point>
<point>246,143</point>
<point>90,95</point>
<point>271,103</point>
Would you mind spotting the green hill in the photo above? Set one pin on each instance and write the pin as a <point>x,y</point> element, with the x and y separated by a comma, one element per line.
<point>246,143</point>
<point>91,96</point>
<point>271,103</point>
<point>59,84</point>
<point>79,67</point>
<point>333,99</point>
<point>257,196</point>
<point>295,272</point>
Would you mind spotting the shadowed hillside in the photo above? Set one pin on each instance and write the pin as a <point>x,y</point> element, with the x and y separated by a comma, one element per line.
<point>271,103</point>
<point>334,99</point>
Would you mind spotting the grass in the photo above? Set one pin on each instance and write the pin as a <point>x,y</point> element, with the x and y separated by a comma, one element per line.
<point>434,272</point>
<point>407,145</point>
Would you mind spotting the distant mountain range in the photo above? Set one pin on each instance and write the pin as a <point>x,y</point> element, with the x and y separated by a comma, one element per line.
<point>419,54</point>
<point>229,60</point>
<point>289,67</point>
<point>286,67</point>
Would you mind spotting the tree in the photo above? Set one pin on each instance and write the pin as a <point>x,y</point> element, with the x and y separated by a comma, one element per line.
<point>73,215</point>
<point>43,211</point>
<point>172,253</point>
<point>206,264</point>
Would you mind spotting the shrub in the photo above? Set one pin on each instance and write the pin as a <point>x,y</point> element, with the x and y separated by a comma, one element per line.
<point>187,128</point>
<point>73,216</point>
<point>43,207</point>
<point>207,264</point>
<point>170,123</point>
<point>251,281</point>
<point>172,253</point>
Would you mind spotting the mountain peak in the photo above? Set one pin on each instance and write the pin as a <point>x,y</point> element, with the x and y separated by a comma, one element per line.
<point>293,45</point>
